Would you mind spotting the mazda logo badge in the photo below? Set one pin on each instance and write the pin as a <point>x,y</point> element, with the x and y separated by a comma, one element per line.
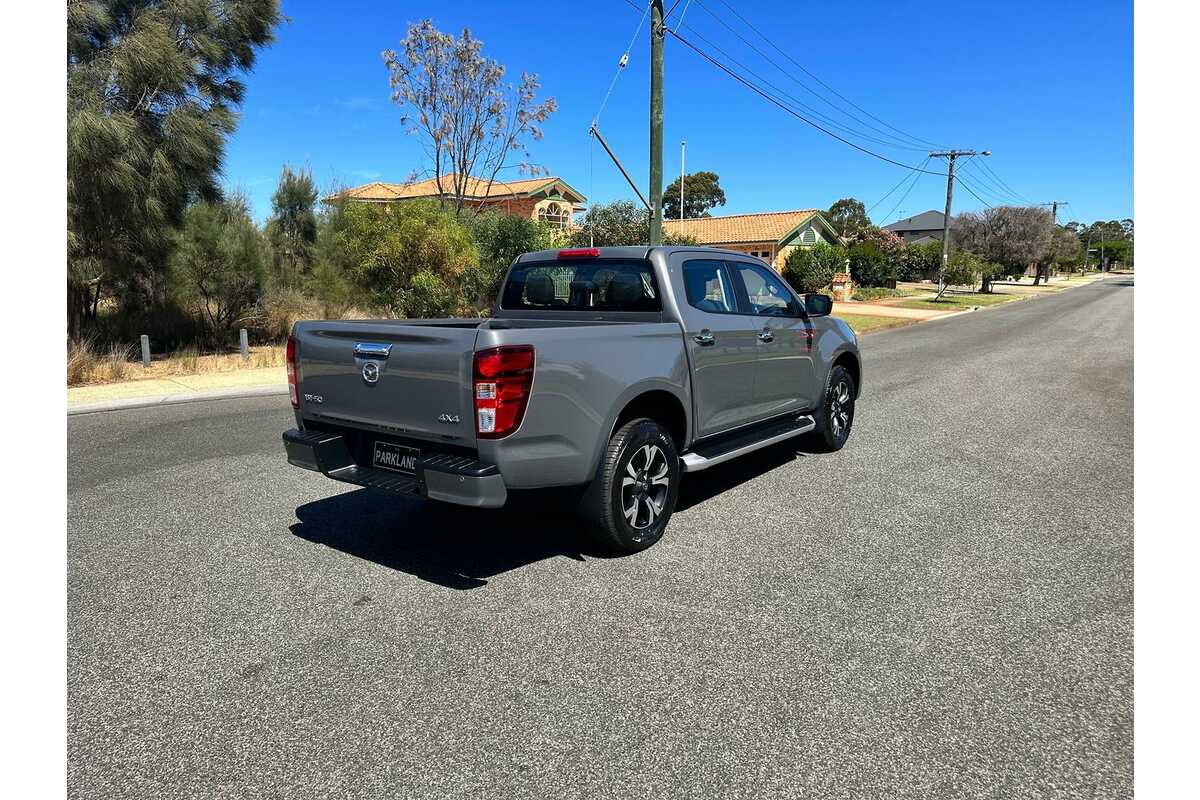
<point>370,372</point>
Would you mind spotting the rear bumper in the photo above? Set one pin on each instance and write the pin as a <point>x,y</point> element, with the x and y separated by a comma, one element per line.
<point>439,476</point>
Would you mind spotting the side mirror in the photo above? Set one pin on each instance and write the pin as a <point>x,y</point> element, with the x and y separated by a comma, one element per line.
<point>818,305</point>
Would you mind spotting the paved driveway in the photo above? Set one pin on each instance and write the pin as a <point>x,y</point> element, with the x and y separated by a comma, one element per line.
<point>943,609</point>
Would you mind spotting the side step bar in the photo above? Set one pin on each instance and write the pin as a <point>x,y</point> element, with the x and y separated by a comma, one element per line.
<point>730,446</point>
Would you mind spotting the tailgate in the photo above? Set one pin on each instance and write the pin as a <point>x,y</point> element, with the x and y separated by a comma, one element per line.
<point>411,377</point>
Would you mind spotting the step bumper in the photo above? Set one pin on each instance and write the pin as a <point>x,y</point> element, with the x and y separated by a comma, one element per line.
<point>438,476</point>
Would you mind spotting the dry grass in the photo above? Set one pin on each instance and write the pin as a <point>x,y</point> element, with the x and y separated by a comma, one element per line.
<point>87,366</point>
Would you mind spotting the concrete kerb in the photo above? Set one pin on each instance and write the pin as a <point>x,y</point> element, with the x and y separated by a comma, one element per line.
<point>173,399</point>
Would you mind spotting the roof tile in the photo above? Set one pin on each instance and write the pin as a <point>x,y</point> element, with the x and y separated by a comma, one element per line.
<point>769,226</point>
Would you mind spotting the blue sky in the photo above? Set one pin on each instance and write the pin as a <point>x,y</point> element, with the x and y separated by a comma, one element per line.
<point>1046,86</point>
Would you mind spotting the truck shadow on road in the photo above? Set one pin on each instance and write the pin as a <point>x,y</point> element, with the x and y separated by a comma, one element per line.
<point>461,548</point>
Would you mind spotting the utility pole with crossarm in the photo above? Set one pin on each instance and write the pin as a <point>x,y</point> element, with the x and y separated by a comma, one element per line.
<point>657,31</point>
<point>1053,206</point>
<point>952,157</point>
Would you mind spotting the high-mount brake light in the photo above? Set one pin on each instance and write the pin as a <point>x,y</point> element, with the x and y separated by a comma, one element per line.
<point>580,252</point>
<point>503,377</point>
<point>293,390</point>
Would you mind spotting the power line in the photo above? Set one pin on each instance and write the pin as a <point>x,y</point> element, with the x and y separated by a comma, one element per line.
<point>989,185</point>
<point>915,139</point>
<point>792,98</point>
<point>967,186</point>
<point>766,96</point>
<point>916,176</point>
<point>893,189</point>
<point>1015,193</point>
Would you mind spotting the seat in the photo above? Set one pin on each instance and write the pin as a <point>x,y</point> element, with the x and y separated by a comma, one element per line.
<point>539,289</point>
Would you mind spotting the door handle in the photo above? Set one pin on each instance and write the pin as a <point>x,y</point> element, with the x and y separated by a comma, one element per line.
<point>766,335</point>
<point>704,337</point>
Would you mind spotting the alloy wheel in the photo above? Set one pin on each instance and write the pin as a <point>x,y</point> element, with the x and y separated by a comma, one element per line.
<point>644,486</point>
<point>841,407</point>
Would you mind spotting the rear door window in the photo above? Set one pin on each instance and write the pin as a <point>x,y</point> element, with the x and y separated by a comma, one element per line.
<point>594,284</point>
<point>709,287</point>
<point>768,295</point>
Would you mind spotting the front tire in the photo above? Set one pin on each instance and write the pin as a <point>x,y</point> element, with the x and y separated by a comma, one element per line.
<point>628,505</point>
<point>835,417</point>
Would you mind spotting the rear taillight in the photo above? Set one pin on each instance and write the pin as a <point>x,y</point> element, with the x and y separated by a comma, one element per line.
<point>503,378</point>
<point>291,372</point>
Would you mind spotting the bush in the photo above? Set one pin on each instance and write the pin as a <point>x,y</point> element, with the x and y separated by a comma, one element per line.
<point>412,259</point>
<point>499,239</point>
<point>963,269</point>
<point>868,293</point>
<point>919,261</point>
<point>870,265</point>
<point>811,269</point>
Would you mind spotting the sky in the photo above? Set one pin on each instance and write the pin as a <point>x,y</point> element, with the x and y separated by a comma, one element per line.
<point>1046,86</point>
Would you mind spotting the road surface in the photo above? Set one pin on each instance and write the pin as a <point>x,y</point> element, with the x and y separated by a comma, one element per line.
<point>943,609</point>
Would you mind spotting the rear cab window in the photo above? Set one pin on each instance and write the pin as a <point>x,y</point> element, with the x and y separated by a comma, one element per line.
<point>592,284</point>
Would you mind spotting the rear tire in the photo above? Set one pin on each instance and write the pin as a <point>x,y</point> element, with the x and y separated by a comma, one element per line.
<point>835,416</point>
<point>628,505</point>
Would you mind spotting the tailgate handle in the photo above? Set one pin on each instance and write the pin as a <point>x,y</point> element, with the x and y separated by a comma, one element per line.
<point>372,349</point>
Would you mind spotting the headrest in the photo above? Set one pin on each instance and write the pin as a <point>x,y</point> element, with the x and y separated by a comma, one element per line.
<point>697,281</point>
<point>539,288</point>
<point>625,289</point>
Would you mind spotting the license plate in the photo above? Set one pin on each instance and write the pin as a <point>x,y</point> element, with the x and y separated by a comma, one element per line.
<point>396,457</point>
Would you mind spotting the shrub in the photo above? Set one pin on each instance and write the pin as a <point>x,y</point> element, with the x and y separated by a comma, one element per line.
<point>867,293</point>
<point>870,265</point>
<point>499,239</point>
<point>811,269</point>
<point>412,259</point>
<point>963,269</point>
<point>919,261</point>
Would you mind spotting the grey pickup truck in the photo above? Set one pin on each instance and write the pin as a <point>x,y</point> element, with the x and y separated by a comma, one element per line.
<point>609,370</point>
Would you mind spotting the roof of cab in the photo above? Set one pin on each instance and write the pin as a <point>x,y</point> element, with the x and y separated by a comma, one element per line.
<point>631,251</point>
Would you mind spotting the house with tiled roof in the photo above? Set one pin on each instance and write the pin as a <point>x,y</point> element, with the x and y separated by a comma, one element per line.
<point>770,235</point>
<point>920,229</point>
<point>549,199</point>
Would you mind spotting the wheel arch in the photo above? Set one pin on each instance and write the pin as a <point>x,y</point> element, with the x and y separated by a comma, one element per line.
<point>660,405</point>
<point>849,359</point>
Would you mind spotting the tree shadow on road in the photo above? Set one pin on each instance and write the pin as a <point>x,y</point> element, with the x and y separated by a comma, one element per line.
<point>451,546</point>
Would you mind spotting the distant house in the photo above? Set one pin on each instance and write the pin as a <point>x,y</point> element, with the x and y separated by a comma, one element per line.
<point>548,199</point>
<point>923,228</point>
<point>770,235</point>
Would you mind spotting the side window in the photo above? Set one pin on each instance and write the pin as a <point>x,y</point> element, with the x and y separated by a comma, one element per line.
<point>766,293</point>
<point>709,287</point>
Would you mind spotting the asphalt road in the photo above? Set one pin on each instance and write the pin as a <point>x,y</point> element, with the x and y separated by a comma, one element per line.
<point>943,609</point>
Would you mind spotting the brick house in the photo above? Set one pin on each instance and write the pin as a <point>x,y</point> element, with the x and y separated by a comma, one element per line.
<point>770,235</point>
<point>549,199</point>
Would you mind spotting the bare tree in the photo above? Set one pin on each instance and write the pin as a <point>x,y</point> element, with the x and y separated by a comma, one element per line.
<point>456,99</point>
<point>1012,236</point>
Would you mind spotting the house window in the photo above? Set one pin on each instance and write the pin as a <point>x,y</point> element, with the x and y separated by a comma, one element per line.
<point>555,213</point>
<point>809,237</point>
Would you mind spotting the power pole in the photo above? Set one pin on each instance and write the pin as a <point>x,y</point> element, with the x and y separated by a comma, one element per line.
<point>656,120</point>
<point>1053,205</point>
<point>952,156</point>
<point>682,173</point>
